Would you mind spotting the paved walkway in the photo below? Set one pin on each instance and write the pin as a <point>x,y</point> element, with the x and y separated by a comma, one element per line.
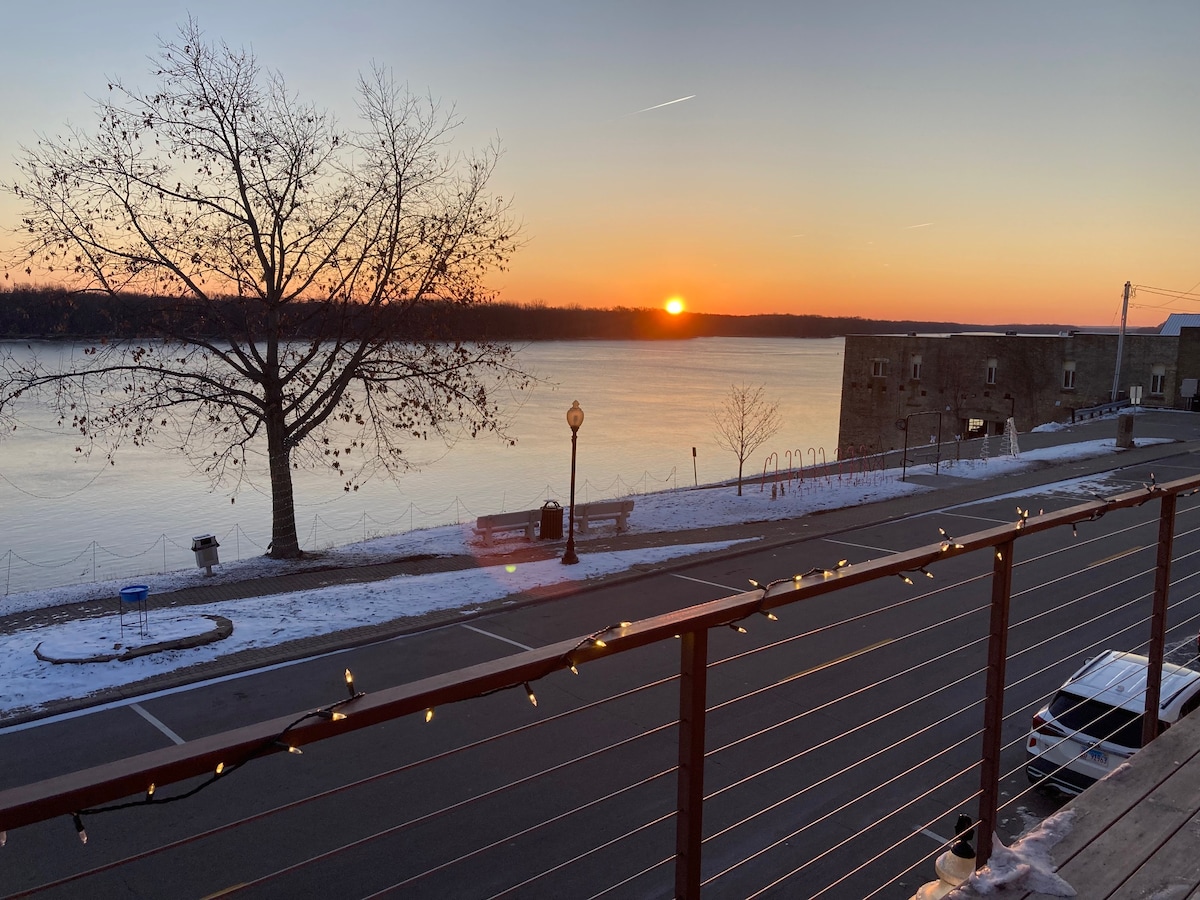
<point>949,490</point>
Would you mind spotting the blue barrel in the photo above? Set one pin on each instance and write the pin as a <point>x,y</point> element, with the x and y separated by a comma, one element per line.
<point>135,593</point>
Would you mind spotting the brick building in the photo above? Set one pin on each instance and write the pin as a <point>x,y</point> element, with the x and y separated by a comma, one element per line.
<point>977,380</point>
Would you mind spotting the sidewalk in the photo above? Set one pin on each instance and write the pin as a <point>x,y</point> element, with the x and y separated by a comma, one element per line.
<point>1182,429</point>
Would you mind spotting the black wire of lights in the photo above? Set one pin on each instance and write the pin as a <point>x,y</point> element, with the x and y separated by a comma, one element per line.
<point>330,712</point>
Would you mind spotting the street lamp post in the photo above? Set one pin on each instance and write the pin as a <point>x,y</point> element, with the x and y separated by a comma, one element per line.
<point>574,419</point>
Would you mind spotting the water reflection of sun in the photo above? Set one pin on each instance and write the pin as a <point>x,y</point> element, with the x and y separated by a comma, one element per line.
<point>675,306</point>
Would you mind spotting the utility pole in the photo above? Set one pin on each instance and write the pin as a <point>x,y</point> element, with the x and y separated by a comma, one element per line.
<point>1120,344</point>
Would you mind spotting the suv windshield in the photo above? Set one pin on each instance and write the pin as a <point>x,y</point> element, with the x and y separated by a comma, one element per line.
<point>1097,720</point>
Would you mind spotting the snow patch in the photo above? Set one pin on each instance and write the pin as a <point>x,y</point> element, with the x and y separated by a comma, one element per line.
<point>1026,865</point>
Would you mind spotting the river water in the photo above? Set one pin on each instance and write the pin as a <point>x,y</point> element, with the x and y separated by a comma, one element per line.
<point>66,520</point>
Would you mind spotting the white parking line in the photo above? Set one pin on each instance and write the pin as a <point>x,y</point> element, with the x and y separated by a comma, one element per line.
<point>980,518</point>
<point>936,837</point>
<point>153,720</point>
<point>723,587</point>
<point>498,637</point>
<point>861,546</point>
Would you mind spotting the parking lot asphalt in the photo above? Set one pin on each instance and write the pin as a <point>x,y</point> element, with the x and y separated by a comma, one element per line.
<point>1157,434</point>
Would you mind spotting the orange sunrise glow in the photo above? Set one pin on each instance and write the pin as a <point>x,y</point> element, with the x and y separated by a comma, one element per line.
<point>675,306</point>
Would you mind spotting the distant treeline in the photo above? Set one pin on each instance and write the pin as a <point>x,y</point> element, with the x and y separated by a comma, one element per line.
<point>56,313</point>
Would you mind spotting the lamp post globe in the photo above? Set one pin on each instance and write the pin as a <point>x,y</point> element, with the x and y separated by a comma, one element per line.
<point>574,420</point>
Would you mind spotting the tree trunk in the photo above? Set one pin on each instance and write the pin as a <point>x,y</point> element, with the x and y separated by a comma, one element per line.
<point>284,542</point>
<point>740,464</point>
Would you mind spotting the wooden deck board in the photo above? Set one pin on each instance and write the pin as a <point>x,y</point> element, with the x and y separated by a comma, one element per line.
<point>1136,834</point>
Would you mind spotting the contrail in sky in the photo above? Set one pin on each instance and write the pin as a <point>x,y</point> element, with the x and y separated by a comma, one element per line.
<point>922,225</point>
<point>661,105</point>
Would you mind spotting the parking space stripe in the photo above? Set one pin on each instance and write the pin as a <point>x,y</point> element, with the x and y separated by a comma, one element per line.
<point>137,708</point>
<point>979,518</point>
<point>861,546</point>
<point>498,637</point>
<point>723,587</point>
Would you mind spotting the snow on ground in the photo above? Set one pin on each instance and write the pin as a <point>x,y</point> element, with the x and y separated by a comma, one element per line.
<point>1025,866</point>
<point>267,621</point>
<point>274,619</point>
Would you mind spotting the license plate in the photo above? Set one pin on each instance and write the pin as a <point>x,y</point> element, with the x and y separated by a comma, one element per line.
<point>1098,756</point>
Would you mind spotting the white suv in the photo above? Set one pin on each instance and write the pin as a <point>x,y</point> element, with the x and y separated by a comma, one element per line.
<point>1094,722</point>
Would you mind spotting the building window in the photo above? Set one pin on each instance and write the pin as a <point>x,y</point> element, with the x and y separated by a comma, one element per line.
<point>1158,380</point>
<point>879,368</point>
<point>1068,376</point>
<point>991,371</point>
<point>915,367</point>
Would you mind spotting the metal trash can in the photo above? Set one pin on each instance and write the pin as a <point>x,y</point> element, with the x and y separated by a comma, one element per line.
<point>205,547</point>
<point>552,521</point>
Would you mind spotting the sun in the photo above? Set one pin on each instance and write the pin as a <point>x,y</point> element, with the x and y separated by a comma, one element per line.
<point>675,306</point>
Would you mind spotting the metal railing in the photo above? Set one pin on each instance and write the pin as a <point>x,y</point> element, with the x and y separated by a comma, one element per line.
<point>802,753</point>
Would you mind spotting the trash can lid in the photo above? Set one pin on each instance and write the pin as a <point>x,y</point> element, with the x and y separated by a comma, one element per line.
<point>551,504</point>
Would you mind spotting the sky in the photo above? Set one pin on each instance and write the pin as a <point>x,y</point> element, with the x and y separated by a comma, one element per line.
<point>277,618</point>
<point>947,161</point>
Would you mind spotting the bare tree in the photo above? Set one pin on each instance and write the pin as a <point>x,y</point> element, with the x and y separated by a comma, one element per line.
<point>745,420</point>
<point>298,268</point>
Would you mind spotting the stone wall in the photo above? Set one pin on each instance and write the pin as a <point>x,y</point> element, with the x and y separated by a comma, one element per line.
<point>969,384</point>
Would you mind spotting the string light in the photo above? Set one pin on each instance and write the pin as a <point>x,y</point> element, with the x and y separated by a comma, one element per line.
<point>429,714</point>
<point>529,693</point>
<point>924,571</point>
<point>79,827</point>
<point>738,628</point>
<point>277,741</point>
<point>822,571</point>
<point>1023,517</point>
<point>3,838</point>
<point>948,542</point>
<point>1000,555</point>
<point>903,577</point>
<point>770,615</point>
<point>574,669</point>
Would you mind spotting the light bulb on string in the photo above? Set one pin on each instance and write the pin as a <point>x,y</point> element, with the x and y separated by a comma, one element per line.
<point>770,615</point>
<point>429,714</point>
<point>529,693</point>
<point>948,542</point>
<point>904,577</point>
<point>738,628</point>
<point>79,827</point>
<point>350,684</point>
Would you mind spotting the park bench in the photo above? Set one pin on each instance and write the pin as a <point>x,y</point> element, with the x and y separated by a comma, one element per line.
<point>602,511</point>
<point>526,520</point>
